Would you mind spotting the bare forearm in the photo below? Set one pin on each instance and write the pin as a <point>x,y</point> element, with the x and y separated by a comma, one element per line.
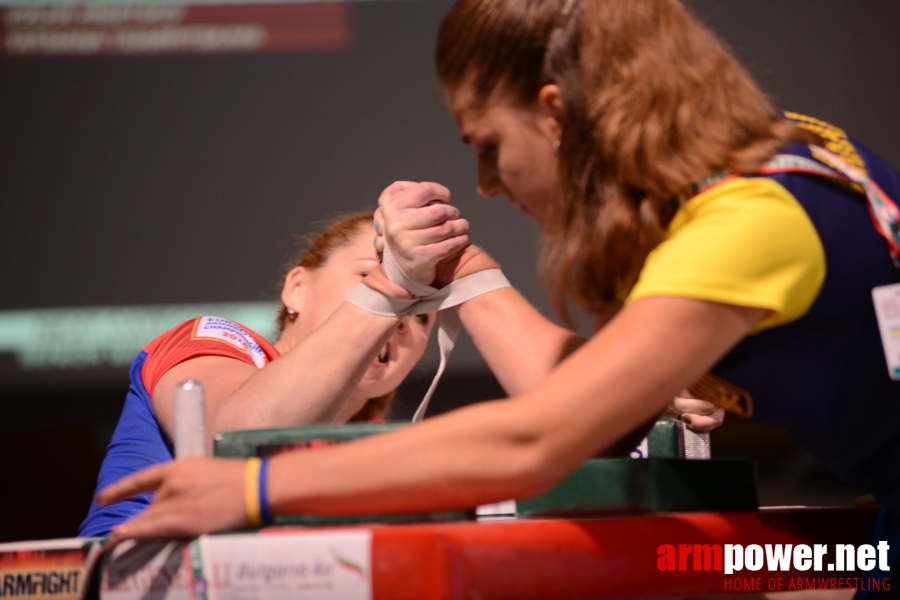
<point>311,382</point>
<point>475,455</point>
<point>520,345</point>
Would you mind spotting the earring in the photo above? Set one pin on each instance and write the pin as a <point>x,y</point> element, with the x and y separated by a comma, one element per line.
<point>556,145</point>
<point>291,314</point>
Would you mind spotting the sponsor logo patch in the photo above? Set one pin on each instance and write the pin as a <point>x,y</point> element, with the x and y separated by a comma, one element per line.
<point>229,332</point>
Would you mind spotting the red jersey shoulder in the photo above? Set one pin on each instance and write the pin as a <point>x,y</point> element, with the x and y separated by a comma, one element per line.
<point>204,336</point>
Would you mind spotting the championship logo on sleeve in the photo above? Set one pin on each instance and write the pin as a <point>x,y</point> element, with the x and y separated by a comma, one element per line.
<point>229,332</point>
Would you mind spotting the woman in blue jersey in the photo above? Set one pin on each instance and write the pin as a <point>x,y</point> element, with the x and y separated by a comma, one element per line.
<point>650,160</point>
<point>251,383</point>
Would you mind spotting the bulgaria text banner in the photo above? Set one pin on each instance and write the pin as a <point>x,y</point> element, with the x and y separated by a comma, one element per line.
<point>290,565</point>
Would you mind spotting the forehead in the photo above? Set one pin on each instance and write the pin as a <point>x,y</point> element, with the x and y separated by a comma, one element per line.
<point>476,115</point>
<point>463,106</point>
<point>357,247</point>
<point>461,99</point>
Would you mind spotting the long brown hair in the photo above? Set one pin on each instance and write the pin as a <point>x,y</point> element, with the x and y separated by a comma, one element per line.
<point>317,248</point>
<point>653,102</point>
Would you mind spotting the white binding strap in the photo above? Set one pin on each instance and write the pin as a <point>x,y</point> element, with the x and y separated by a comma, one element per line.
<point>398,276</point>
<point>430,299</point>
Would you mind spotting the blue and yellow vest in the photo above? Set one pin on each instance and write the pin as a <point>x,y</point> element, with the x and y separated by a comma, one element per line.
<point>824,376</point>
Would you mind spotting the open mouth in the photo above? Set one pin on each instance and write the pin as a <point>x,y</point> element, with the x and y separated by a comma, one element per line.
<point>384,354</point>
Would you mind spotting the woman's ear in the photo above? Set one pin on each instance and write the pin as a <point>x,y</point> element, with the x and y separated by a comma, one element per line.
<point>550,104</point>
<point>292,292</point>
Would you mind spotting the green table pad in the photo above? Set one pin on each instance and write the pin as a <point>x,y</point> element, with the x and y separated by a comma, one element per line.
<point>659,483</point>
<point>268,442</point>
<point>616,485</point>
<point>664,440</point>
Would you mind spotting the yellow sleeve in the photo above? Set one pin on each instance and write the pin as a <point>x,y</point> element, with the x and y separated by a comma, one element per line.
<point>746,241</point>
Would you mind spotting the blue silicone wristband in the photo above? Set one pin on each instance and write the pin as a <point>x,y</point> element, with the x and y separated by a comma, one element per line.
<point>264,512</point>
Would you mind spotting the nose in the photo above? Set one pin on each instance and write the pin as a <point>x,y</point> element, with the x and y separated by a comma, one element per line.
<point>489,185</point>
<point>488,191</point>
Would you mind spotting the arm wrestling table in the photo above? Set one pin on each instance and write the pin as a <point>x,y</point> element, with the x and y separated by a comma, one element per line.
<point>614,557</point>
<point>599,534</point>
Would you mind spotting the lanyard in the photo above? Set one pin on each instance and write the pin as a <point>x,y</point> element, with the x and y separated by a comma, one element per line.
<point>884,211</point>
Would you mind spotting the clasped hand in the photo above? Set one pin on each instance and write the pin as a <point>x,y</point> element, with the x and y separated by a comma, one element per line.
<point>428,237</point>
<point>421,226</point>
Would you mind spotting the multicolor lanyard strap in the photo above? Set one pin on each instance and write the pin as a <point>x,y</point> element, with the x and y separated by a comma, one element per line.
<point>884,211</point>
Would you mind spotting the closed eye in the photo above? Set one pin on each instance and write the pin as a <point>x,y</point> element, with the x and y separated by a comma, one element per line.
<point>424,319</point>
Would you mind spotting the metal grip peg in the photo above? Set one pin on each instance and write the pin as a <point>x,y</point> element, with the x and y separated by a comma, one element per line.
<point>190,422</point>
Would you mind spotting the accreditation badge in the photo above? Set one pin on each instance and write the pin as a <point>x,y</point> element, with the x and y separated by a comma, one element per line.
<point>887,310</point>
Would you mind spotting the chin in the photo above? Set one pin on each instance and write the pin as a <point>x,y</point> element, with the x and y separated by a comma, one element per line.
<point>373,388</point>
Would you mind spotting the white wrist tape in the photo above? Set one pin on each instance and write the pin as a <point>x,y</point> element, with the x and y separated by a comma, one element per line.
<point>429,299</point>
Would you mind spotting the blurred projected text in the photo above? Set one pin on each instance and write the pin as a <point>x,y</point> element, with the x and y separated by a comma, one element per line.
<point>67,28</point>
